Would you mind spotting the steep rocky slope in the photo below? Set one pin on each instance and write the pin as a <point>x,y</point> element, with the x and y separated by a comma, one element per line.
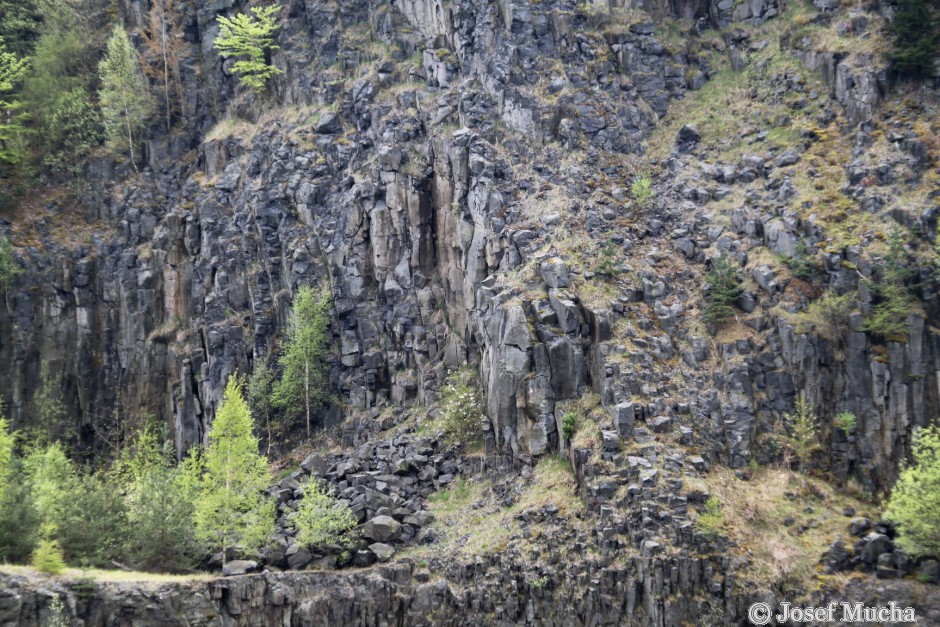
<point>459,174</point>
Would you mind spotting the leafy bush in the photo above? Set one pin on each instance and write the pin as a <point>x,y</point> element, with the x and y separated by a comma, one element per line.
<point>569,424</point>
<point>830,314</point>
<point>461,409</point>
<point>710,521</point>
<point>322,520</point>
<point>722,286</point>
<point>915,501</point>
<point>845,421</point>
<point>607,262</point>
<point>642,191</point>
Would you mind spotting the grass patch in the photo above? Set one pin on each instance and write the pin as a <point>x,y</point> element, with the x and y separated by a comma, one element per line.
<point>752,514</point>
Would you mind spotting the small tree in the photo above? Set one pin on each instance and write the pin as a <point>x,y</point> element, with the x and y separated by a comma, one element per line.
<point>92,521</point>
<point>164,46</point>
<point>303,358</point>
<point>124,95</point>
<point>232,509</point>
<point>915,500</point>
<point>461,409</point>
<point>8,267</point>
<point>159,509</point>
<point>74,131</point>
<point>915,38</point>
<point>250,39</point>
<point>721,282</point>
<point>49,473</point>
<point>322,520</point>
<point>803,435</point>
<point>47,558</point>
<point>888,319</point>
<point>48,405</point>
<point>12,71</point>
<point>642,191</point>
<point>260,387</point>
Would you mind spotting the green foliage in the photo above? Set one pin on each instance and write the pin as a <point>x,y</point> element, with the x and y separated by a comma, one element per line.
<point>123,95</point>
<point>159,509</point>
<point>830,314</point>
<point>916,38</point>
<point>232,510</point>
<point>13,70</point>
<point>250,39</point>
<point>711,520</point>
<point>608,265</point>
<point>8,266</point>
<point>91,523</point>
<point>569,424</point>
<point>17,517</point>
<point>461,409</point>
<point>888,319</point>
<point>47,558</point>
<point>803,438</point>
<point>323,521</point>
<point>642,191</point>
<point>50,475</point>
<point>47,403</point>
<point>74,131</point>
<point>804,264</point>
<point>846,421</point>
<point>20,23</point>
<point>303,358</point>
<point>722,289</point>
<point>260,388</point>
<point>915,501</point>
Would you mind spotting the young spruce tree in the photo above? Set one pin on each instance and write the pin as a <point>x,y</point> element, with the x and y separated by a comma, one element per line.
<point>232,508</point>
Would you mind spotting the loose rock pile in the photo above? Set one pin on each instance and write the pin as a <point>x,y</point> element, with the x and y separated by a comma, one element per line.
<point>385,483</point>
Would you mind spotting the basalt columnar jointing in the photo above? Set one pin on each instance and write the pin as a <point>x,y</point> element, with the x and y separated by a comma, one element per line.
<point>461,175</point>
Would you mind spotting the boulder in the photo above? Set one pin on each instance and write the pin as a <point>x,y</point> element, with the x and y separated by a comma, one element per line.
<point>381,529</point>
<point>238,567</point>
<point>383,552</point>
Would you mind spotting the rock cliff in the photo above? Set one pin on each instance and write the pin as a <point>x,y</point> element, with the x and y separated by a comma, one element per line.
<point>459,174</point>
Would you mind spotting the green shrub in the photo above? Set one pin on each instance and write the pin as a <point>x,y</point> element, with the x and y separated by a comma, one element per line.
<point>804,264</point>
<point>322,520</point>
<point>722,287</point>
<point>915,501</point>
<point>803,437</point>
<point>642,191</point>
<point>830,314</point>
<point>608,265</point>
<point>461,409</point>
<point>8,267</point>
<point>47,558</point>
<point>845,421</point>
<point>710,521</point>
<point>569,424</point>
